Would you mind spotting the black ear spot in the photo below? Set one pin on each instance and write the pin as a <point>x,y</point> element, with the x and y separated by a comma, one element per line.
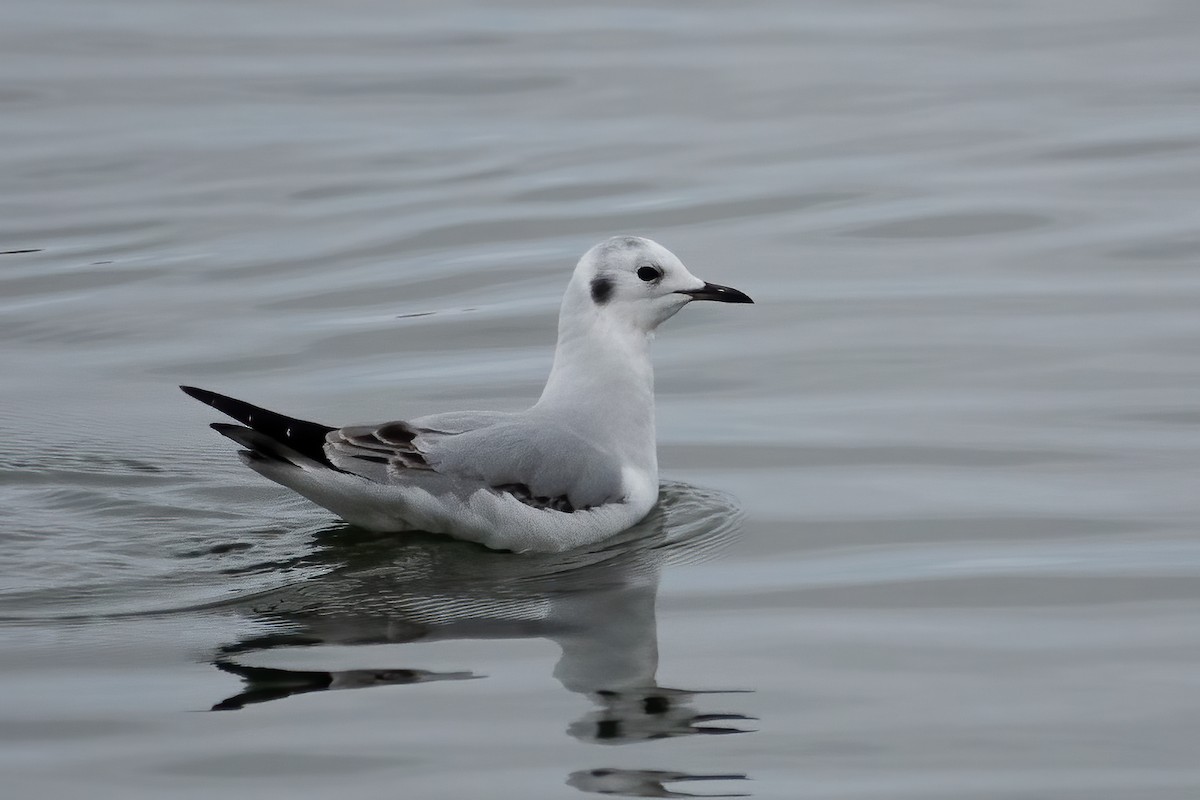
<point>601,290</point>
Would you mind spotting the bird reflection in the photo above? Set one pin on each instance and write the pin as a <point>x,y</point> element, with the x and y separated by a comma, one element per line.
<point>265,683</point>
<point>643,782</point>
<point>597,605</point>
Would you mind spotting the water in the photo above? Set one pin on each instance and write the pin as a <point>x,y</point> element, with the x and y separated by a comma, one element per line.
<point>930,528</point>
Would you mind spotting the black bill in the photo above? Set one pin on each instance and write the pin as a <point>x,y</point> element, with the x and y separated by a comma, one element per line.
<point>722,294</point>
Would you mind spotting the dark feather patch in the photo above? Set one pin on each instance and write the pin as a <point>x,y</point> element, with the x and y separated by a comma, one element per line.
<point>521,492</point>
<point>392,443</point>
<point>395,433</point>
<point>601,290</point>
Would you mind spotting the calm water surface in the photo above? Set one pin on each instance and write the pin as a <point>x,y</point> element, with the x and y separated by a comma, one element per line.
<point>930,520</point>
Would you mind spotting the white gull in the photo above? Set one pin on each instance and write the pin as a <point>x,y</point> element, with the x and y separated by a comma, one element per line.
<point>578,466</point>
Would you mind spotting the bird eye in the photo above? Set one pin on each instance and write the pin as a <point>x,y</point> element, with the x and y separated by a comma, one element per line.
<point>649,273</point>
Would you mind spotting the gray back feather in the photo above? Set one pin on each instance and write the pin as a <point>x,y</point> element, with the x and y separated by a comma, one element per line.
<point>539,461</point>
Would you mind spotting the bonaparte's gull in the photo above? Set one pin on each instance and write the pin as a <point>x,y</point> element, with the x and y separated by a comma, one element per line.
<point>578,466</point>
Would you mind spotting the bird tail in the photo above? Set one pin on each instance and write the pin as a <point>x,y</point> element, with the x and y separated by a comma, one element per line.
<point>266,435</point>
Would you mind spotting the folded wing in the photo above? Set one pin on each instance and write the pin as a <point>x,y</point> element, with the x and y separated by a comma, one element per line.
<point>538,462</point>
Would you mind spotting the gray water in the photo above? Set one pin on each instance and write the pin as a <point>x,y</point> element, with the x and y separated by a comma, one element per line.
<point>929,526</point>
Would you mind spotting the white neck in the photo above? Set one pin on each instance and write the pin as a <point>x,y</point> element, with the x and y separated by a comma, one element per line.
<point>602,381</point>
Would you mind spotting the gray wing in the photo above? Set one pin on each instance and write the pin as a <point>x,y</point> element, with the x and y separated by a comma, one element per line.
<point>541,463</point>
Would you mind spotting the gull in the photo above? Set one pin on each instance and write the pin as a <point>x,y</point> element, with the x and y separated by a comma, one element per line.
<point>577,467</point>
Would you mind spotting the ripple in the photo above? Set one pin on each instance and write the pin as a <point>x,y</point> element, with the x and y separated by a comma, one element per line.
<point>693,213</point>
<point>363,573</point>
<point>450,84</point>
<point>579,191</point>
<point>1165,249</point>
<point>953,226</point>
<point>1126,149</point>
<point>339,566</point>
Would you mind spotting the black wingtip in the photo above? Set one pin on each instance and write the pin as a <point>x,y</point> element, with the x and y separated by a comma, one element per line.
<point>239,434</point>
<point>272,434</point>
<point>240,410</point>
<point>203,395</point>
<point>259,448</point>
